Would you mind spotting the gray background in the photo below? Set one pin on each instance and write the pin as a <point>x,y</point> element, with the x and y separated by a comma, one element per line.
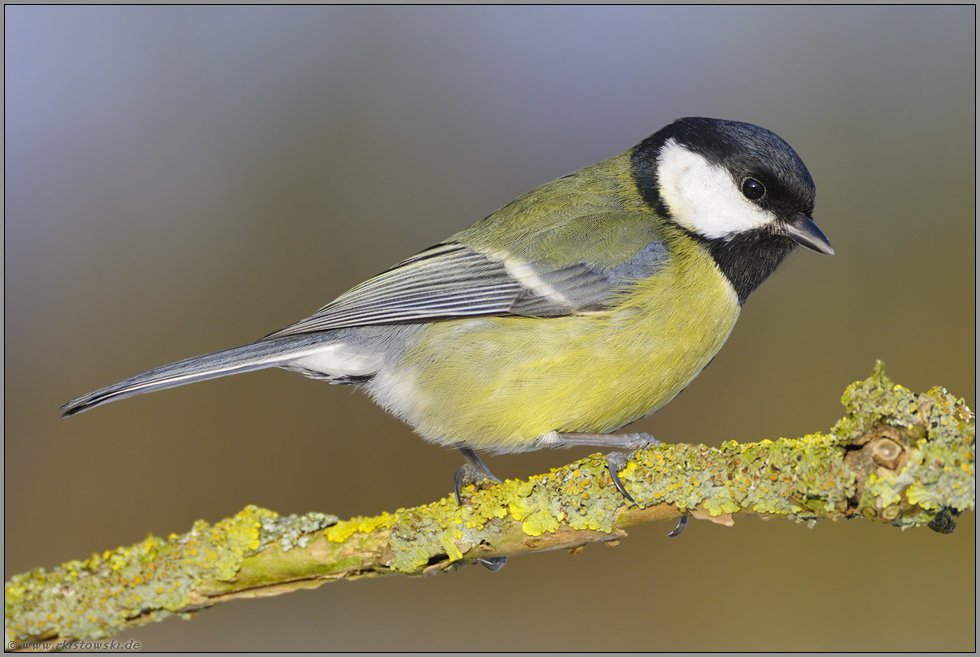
<point>181,180</point>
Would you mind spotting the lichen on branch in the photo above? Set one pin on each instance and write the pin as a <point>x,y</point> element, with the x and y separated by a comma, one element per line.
<point>896,457</point>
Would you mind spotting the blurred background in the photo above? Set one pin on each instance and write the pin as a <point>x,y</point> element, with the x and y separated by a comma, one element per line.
<point>182,180</point>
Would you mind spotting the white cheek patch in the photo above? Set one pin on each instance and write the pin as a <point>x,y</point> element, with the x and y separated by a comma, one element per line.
<point>703,197</point>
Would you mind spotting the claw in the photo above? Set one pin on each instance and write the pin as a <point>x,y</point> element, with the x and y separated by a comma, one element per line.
<point>681,524</point>
<point>615,461</point>
<point>458,484</point>
<point>493,564</point>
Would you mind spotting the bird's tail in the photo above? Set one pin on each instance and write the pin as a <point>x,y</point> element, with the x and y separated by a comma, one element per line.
<point>257,356</point>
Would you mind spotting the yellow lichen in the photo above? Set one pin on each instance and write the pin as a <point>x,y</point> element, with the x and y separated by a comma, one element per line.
<point>344,529</point>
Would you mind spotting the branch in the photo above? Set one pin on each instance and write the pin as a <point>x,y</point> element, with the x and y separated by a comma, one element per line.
<point>895,457</point>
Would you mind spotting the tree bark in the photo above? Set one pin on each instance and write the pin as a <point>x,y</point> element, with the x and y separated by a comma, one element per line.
<point>895,457</point>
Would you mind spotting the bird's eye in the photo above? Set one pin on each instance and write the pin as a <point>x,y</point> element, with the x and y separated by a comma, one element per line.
<point>753,189</point>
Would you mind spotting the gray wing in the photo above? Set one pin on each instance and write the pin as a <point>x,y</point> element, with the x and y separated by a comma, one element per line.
<point>453,280</point>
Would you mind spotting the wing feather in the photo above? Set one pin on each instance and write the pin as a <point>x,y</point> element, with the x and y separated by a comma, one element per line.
<point>453,280</point>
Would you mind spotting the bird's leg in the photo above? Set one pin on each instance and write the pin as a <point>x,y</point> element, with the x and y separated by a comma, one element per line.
<point>615,461</point>
<point>473,471</point>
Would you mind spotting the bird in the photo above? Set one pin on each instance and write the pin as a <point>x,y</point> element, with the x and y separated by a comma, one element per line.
<point>577,308</point>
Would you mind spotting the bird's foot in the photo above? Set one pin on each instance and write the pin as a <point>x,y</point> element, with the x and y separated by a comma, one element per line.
<point>616,461</point>
<point>469,475</point>
<point>473,472</point>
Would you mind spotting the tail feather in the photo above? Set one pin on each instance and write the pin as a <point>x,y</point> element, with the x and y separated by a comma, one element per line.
<point>269,353</point>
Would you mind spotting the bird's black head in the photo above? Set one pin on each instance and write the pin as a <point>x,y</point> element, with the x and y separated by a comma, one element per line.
<point>738,187</point>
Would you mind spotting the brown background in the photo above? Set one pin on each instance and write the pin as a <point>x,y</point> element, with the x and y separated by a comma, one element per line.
<point>184,180</point>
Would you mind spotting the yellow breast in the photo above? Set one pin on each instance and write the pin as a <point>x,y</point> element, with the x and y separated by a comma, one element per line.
<point>497,383</point>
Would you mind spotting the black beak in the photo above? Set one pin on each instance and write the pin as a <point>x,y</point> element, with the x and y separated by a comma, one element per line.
<point>804,232</point>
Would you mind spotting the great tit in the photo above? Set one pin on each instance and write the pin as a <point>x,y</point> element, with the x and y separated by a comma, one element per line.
<point>570,312</point>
